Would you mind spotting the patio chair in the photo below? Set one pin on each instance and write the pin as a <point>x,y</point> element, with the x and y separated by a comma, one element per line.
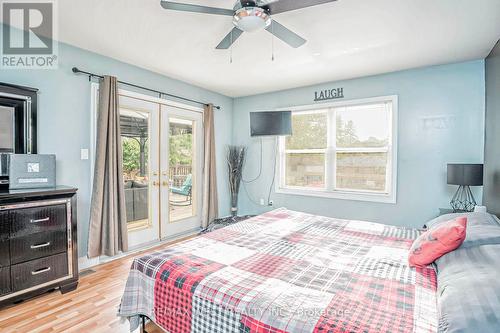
<point>184,189</point>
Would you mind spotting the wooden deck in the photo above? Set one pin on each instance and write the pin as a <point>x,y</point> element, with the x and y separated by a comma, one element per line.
<point>179,207</point>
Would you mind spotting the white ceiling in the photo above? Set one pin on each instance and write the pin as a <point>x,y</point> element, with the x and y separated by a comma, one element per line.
<point>346,39</point>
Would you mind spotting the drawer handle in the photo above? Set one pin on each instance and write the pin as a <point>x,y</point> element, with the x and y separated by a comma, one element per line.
<point>40,220</point>
<point>40,245</point>
<point>40,271</point>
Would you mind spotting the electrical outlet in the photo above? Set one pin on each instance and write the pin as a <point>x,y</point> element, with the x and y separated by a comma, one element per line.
<point>271,203</point>
<point>262,202</point>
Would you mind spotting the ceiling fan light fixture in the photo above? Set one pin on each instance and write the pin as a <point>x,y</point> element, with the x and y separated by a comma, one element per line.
<point>250,19</point>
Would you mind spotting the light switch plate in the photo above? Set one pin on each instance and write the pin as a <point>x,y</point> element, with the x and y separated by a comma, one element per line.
<point>84,154</point>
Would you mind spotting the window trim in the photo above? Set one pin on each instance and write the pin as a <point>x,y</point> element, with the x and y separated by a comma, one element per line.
<point>328,191</point>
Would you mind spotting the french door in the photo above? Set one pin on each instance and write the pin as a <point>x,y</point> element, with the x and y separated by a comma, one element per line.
<point>162,168</point>
<point>140,130</point>
<point>181,161</point>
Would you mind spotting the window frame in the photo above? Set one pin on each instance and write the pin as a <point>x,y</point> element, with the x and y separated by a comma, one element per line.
<point>330,190</point>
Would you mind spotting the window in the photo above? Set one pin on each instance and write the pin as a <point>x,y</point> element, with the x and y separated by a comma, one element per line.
<point>342,150</point>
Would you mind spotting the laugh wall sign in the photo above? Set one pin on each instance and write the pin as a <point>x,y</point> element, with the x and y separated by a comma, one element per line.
<point>328,94</point>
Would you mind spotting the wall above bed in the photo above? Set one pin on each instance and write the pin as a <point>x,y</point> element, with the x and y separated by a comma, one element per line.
<point>454,92</point>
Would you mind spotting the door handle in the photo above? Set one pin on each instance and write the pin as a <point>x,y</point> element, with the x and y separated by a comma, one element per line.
<point>165,183</point>
<point>40,245</point>
<point>40,220</point>
<point>40,271</point>
<point>155,183</point>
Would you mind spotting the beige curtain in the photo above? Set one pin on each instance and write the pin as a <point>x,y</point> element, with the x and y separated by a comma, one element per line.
<point>210,200</point>
<point>108,223</point>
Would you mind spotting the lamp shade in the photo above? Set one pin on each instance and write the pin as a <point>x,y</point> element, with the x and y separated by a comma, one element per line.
<point>465,174</point>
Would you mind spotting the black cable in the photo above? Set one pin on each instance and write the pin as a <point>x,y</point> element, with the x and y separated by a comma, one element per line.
<point>260,169</point>
<point>274,171</point>
<point>249,197</point>
<point>260,173</point>
<point>245,182</point>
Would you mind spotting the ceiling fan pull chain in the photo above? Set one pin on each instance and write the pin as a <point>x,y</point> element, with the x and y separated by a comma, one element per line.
<point>272,42</point>
<point>231,49</point>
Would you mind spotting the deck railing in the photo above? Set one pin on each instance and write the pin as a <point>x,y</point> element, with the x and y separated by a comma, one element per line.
<point>178,174</point>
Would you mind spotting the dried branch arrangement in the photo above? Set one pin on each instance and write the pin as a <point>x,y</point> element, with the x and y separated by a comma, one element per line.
<point>235,160</point>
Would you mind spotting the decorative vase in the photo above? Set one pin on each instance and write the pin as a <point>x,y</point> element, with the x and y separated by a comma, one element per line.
<point>235,160</point>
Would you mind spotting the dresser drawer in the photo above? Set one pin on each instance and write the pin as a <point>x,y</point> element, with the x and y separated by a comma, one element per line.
<point>4,280</point>
<point>4,253</point>
<point>38,271</point>
<point>37,245</point>
<point>4,227</point>
<point>26,221</point>
<point>4,242</point>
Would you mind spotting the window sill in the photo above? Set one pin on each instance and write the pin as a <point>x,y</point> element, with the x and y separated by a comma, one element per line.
<point>342,195</point>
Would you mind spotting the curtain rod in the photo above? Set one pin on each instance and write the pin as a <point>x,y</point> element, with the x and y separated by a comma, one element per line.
<point>78,71</point>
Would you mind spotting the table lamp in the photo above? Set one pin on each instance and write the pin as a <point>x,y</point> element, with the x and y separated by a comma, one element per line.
<point>464,175</point>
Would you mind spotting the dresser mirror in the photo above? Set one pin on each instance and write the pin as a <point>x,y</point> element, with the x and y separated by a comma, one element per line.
<point>6,129</point>
<point>18,108</point>
<point>18,128</point>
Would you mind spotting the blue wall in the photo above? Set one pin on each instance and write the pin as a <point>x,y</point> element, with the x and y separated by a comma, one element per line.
<point>456,91</point>
<point>64,117</point>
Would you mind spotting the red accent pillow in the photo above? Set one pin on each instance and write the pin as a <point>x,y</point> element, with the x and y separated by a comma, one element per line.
<point>437,241</point>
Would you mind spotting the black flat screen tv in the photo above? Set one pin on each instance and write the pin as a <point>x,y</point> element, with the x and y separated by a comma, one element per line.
<point>271,123</point>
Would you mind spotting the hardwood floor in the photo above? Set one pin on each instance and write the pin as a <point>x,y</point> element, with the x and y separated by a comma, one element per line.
<point>90,308</point>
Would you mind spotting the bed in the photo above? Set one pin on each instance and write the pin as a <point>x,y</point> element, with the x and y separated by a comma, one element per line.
<point>287,271</point>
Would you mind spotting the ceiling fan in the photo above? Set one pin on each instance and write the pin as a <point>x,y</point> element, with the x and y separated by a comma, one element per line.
<point>251,16</point>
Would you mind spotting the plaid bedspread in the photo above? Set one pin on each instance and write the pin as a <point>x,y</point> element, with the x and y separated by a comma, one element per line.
<point>285,271</point>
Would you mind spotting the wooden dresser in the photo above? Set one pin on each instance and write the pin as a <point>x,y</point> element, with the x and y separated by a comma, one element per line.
<point>38,245</point>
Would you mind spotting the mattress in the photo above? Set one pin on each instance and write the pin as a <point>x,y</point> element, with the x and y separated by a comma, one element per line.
<point>285,271</point>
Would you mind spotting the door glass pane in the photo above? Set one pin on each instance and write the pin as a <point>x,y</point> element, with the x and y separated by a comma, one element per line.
<point>361,171</point>
<point>363,126</point>
<point>134,127</point>
<point>181,161</point>
<point>305,170</point>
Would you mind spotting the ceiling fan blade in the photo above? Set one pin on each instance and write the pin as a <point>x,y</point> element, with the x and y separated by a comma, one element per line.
<point>195,8</point>
<point>282,6</point>
<point>286,35</point>
<point>230,38</point>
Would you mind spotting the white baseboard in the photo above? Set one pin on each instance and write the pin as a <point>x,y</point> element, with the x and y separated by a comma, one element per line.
<point>85,263</point>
